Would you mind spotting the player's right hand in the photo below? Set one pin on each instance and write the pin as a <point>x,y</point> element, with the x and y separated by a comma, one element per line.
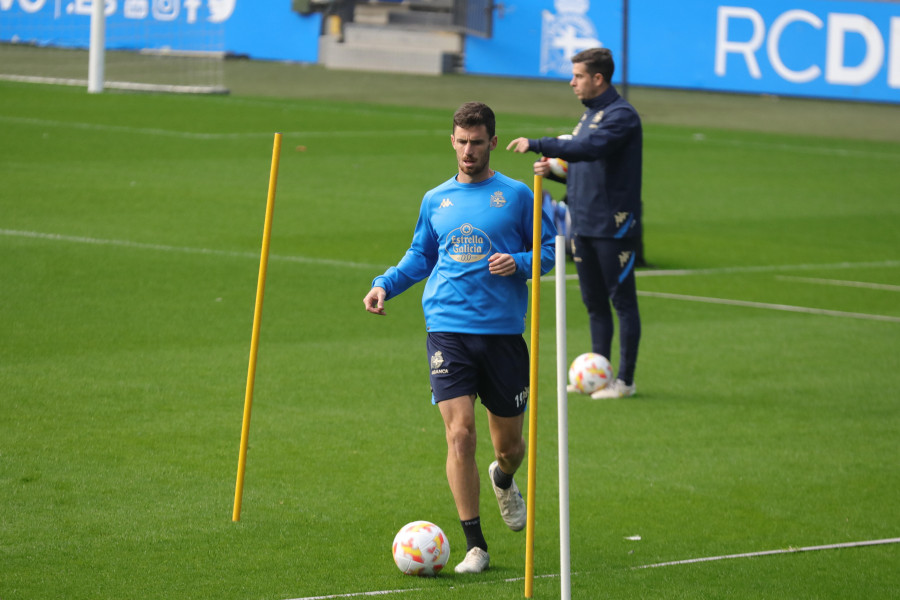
<point>374,300</point>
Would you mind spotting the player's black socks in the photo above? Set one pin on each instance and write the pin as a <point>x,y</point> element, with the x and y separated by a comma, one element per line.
<point>474,536</point>
<point>501,479</point>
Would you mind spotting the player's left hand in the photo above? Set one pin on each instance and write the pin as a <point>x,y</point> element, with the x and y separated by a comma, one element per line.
<point>502,264</point>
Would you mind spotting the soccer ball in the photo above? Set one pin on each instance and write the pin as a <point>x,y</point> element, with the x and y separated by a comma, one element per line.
<point>590,372</point>
<point>421,548</point>
<point>559,167</point>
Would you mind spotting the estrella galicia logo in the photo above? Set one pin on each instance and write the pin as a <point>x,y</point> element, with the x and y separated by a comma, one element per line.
<point>468,244</point>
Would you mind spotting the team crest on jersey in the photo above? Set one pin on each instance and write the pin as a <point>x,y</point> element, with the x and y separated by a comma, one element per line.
<point>497,200</point>
<point>468,244</point>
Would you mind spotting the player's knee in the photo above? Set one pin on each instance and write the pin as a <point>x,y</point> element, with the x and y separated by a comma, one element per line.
<point>461,441</point>
<point>510,455</point>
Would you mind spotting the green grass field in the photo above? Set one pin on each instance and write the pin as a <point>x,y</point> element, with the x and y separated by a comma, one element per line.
<point>767,414</point>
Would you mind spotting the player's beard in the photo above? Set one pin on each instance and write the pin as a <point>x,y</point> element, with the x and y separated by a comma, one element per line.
<point>477,166</point>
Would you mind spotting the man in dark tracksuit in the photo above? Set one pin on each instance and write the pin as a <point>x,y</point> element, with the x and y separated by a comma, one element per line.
<point>603,190</point>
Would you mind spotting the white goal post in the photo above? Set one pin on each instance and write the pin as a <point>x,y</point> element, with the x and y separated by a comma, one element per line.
<point>97,48</point>
<point>139,45</point>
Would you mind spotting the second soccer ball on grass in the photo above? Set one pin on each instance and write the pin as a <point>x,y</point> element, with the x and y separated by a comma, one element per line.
<point>421,548</point>
<point>590,372</point>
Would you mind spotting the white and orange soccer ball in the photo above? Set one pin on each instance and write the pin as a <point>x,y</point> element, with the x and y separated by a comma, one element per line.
<point>559,167</point>
<point>421,548</point>
<point>590,372</point>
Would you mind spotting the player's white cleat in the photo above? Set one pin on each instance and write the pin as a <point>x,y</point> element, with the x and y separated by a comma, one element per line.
<point>476,561</point>
<point>571,389</point>
<point>512,505</point>
<point>616,389</point>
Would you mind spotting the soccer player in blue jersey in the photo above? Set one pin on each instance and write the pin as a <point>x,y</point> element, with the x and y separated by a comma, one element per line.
<point>603,191</point>
<point>473,242</point>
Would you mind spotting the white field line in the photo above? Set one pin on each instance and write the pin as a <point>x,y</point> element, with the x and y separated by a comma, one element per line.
<point>186,250</point>
<point>405,590</point>
<point>695,139</point>
<point>651,566</point>
<point>841,283</point>
<point>379,268</point>
<point>771,552</point>
<point>699,138</point>
<point>188,135</point>
<point>355,265</point>
<point>765,305</point>
<point>880,264</point>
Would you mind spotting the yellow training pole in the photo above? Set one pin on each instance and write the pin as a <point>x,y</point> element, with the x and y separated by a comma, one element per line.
<point>533,384</point>
<point>254,338</point>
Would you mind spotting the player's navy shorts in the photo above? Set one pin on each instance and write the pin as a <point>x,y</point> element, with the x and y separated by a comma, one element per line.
<point>492,367</point>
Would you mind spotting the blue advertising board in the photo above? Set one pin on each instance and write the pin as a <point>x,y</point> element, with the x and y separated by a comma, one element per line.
<point>836,49</point>
<point>241,27</point>
<point>537,38</point>
<point>819,48</point>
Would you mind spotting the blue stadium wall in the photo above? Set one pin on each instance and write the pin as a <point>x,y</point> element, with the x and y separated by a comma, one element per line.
<point>263,29</point>
<point>846,50</point>
<point>835,49</point>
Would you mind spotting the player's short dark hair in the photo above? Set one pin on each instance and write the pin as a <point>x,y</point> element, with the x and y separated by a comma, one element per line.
<point>597,60</point>
<point>473,114</point>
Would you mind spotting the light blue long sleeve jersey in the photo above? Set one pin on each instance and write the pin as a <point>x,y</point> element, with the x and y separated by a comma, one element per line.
<point>460,226</point>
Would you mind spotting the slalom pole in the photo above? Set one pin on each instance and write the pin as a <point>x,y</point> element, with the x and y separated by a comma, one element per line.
<point>565,572</point>
<point>533,384</point>
<point>254,338</point>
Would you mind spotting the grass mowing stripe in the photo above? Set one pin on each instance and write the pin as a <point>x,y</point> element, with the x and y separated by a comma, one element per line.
<point>208,136</point>
<point>124,369</point>
<point>185,249</point>
<point>769,306</point>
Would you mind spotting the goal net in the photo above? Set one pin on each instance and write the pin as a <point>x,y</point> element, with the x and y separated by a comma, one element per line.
<point>150,45</point>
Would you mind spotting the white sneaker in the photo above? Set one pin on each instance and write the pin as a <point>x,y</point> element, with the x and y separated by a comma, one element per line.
<point>476,561</point>
<point>512,506</point>
<point>616,389</point>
